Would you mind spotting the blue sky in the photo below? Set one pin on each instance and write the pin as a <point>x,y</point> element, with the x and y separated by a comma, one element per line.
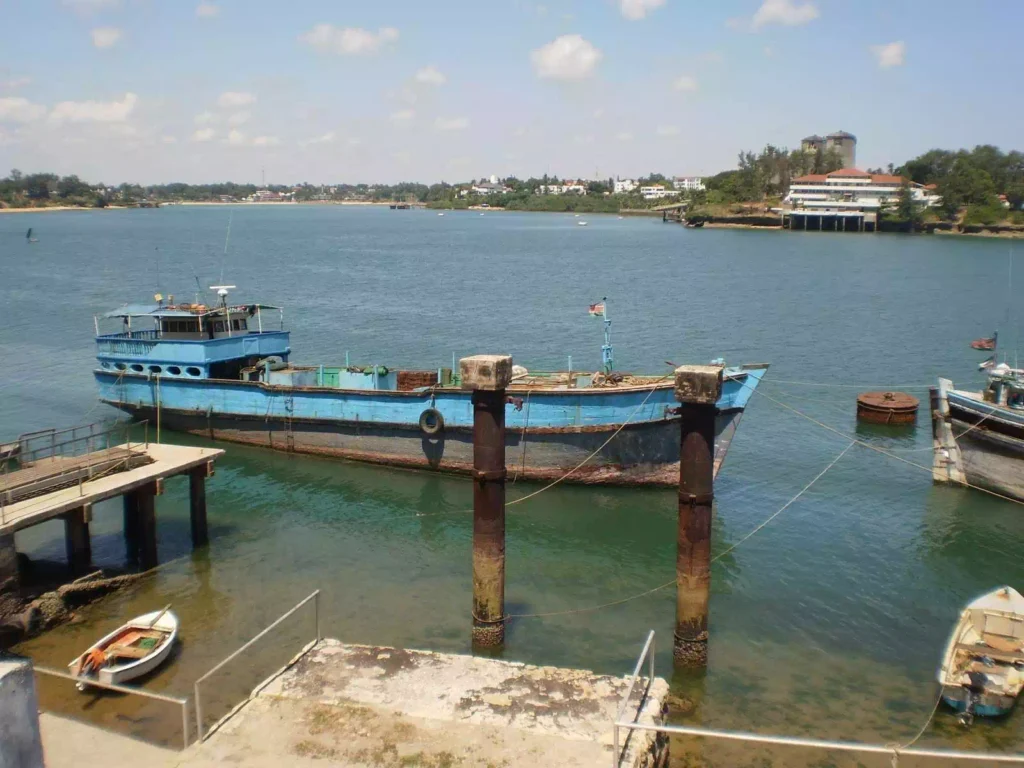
<point>331,91</point>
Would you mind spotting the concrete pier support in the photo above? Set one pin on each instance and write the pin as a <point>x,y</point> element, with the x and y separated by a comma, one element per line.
<point>76,540</point>
<point>488,376</point>
<point>140,519</point>
<point>698,388</point>
<point>131,526</point>
<point>197,505</point>
<point>10,581</point>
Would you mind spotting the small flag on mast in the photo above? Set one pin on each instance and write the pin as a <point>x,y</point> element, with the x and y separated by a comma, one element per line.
<point>990,363</point>
<point>597,310</point>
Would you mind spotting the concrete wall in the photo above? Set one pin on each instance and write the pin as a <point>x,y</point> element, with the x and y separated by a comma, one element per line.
<point>20,744</point>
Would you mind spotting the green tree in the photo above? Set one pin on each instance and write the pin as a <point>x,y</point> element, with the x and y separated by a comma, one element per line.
<point>907,208</point>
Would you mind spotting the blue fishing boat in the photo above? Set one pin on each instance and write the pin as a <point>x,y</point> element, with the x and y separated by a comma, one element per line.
<point>224,371</point>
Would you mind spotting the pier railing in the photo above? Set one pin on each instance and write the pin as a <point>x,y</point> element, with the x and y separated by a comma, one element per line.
<point>59,458</point>
<point>203,732</point>
<point>180,702</point>
<point>894,751</point>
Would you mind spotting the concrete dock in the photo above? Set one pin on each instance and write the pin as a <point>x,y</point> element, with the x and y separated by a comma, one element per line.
<point>357,705</point>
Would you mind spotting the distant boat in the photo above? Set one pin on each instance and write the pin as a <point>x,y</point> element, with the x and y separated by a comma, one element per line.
<point>441,214</point>
<point>130,651</point>
<point>29,238</point>
<point>981,670</point>
<point>581,223</point>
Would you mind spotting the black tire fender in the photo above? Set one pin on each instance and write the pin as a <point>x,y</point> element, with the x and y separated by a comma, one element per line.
<point>431,422</point>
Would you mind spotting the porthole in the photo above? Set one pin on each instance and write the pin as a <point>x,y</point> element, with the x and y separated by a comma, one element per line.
<point>174,370</point>
<point>155,369</point>
<point>192,371</point>
<point>136,367</point>
<point>106,365</point>
<point>120,366</point>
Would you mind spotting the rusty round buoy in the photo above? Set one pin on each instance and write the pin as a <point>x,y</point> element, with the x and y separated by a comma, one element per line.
<point>887,407</point>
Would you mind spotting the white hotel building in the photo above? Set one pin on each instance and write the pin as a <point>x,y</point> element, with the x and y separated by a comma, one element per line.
<point>853,190</point>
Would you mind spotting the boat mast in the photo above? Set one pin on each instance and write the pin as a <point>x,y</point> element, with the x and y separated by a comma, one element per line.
<point>606,350</point>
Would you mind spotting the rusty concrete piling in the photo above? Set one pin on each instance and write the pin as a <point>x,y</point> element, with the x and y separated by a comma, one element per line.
<point>487,376</point>
<point>697,388</point>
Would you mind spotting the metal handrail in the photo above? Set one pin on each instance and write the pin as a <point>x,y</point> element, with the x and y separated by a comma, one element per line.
<point>894,750</point>
<point>648,651</point>
<point>183,703</point>
<point>315,597</point>
<point>843,746</point>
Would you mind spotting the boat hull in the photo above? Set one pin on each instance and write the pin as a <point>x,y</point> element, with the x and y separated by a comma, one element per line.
<point>978,443</point>
<point>644,450</point>
<point>118,674</point>
<point>986,705</point>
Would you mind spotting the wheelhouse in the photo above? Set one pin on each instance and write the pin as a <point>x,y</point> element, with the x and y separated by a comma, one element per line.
<point>194,340</point>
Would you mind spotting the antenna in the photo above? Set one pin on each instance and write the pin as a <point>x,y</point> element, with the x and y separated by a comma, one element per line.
<point>222,291</point>
<point>227,239</point>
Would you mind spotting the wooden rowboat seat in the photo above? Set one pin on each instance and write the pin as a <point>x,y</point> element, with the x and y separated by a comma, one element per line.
<point>994,653</point>
<point>128,651</point>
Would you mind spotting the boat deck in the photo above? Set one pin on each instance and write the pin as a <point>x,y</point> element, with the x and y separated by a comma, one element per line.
<point>151,463</point>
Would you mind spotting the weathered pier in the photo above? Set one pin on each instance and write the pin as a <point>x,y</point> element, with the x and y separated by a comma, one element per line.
<point>56,481</point>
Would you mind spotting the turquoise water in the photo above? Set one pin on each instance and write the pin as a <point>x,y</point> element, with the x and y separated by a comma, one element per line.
<point>829,622</point>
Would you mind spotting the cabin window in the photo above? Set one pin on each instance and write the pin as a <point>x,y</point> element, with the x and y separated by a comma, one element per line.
<point>136,367</point>
<point>155,369</point>
<point>218,326</point>
<point>239,325</point>
<point>174,370</point>
<point>192,371</point>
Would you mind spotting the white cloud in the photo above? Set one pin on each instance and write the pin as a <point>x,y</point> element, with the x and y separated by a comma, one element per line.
<point>327,138</point>
<point>569,57</point>
<point>686,83</point>
<point>105,37</point>
<point>430,76</point>
<point>230,99</point>
<point>17,109</point>
<point>207,10</point>
<point>91,6</point>
<point>624,136</point>
<point>16,82</point>
<point>168,140</point>
<point>203,134</point>
<point>890,54</point>
<point>204,117</point>
<point>94,111</point>
<point>635,10</point>
<point>239,118</point>
<point>402,116</point>
<point>451,123</point>
<point>238,139</point>
<point>667,130</point>
<point>348,41</point>
<point>789,13</point>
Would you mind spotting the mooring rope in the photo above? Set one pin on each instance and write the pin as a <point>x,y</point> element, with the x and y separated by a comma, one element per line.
<point>871,447</point>
<point>717,557</point>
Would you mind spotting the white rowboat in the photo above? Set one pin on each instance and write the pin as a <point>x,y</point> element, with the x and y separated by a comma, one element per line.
<point>982,670</point>
<point>131,650</point>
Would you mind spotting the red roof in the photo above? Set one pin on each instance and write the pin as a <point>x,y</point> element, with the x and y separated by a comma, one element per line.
<point>849,172</point>
<point>876,178</point>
